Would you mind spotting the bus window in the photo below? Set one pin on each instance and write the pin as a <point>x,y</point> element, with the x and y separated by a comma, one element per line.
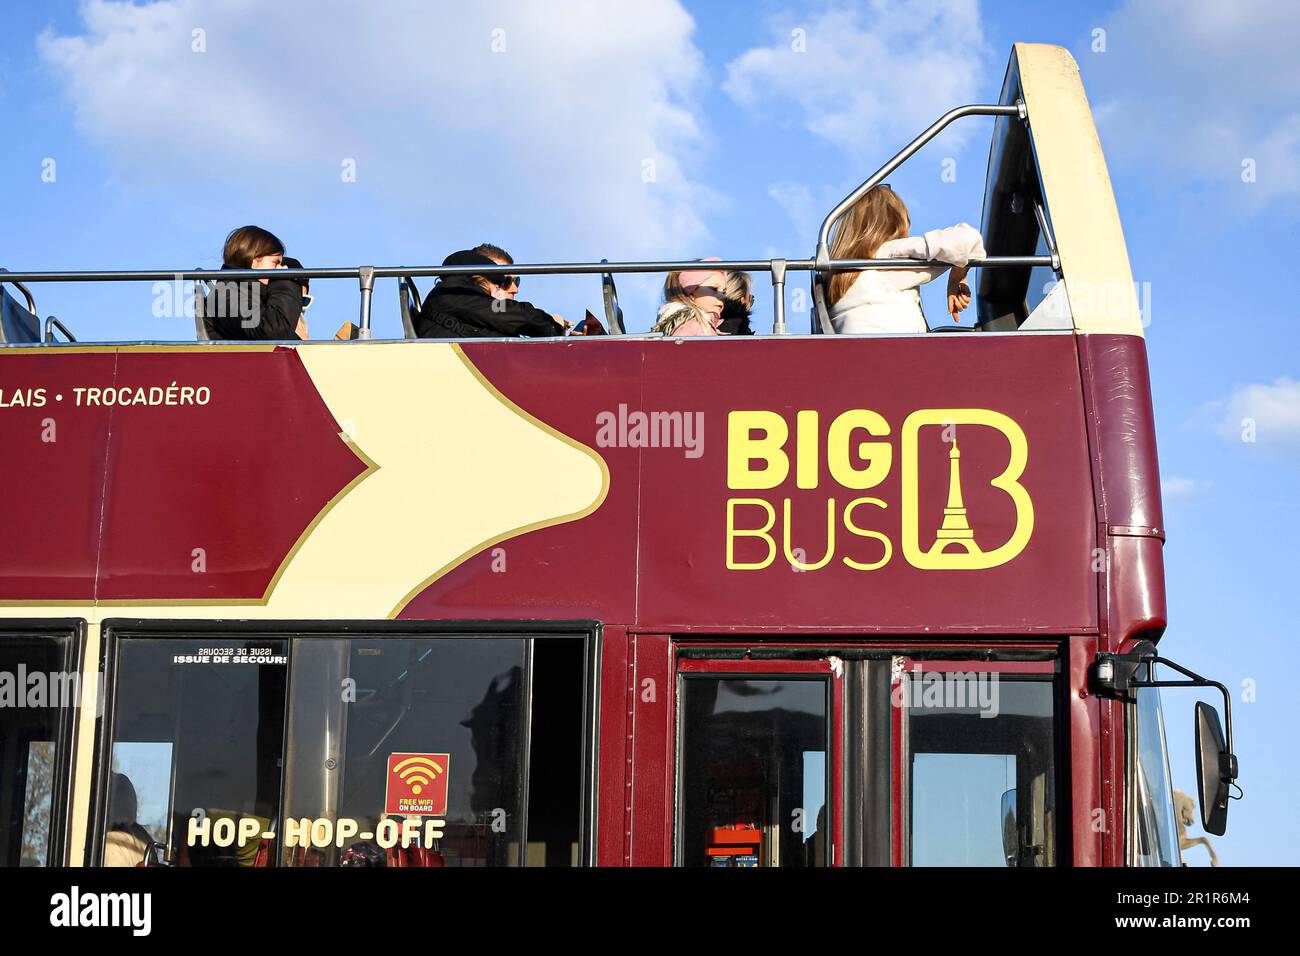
<point>38,695</point>
<point>195,750</point>
<point>1153,834</point>
<point>434,751</point>
<point>421,751</point>
<point>1015,215</point>
<point>754,772</point>
<point>980,760</point>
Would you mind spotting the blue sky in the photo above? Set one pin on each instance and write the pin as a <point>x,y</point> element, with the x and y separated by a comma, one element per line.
<point>667,130</point>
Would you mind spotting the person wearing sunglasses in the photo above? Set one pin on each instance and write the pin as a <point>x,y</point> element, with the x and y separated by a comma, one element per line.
<point>693,302</point>
<point>505,286</point>
<point>482,304</point>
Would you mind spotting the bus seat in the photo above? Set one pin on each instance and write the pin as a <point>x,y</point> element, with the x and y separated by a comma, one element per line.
<point>821,316</point>
<point>408,297</point>
<point>202,289</point>
<point>613,311</point>
<point>19,324</point>
<point>413,856</point>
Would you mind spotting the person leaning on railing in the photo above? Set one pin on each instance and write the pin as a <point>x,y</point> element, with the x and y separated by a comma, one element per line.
<point>887,300</point>
<point>481,305</point>
<point>268,309</point>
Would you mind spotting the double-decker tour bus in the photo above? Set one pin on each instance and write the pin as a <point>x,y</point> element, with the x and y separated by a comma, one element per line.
<point>793,599</point>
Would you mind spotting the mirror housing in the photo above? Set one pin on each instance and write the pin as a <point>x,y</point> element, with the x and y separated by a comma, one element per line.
<point>1215,769</point>
<point>1010,831</point>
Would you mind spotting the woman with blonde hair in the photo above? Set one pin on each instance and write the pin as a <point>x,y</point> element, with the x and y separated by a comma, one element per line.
<point>693,302</point>
<point>737,304</point>
<point>888,300</point>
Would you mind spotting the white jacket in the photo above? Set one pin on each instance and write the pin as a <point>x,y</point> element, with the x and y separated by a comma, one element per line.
<point>887,300</point>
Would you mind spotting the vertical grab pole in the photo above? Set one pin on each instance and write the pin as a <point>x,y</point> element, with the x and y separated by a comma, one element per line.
<point>778,297</point>
<point>366,275</point>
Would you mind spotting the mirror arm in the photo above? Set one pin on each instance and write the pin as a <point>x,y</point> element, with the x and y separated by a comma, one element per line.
<point>1112,676</point>
<point>1196,680</point>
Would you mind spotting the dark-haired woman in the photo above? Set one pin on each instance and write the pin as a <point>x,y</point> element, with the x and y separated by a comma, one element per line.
<point>268,309</point>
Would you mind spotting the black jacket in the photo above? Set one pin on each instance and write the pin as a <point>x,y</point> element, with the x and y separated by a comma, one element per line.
<point>735,319</point>
<point>230,305</point>
<point>458,308</point>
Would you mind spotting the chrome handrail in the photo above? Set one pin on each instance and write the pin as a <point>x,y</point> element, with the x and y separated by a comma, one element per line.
<point>51,323</point>
<point>366,275</point>
<point>823,257</point>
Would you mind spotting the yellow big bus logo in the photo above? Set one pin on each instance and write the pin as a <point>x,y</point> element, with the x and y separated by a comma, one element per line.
<point>757,459</point>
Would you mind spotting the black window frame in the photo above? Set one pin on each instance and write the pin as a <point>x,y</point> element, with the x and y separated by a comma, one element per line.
<point>115,630</point>
<point>74,631</point>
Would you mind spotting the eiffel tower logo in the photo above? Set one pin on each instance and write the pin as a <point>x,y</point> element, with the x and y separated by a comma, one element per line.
<point>955,533</point>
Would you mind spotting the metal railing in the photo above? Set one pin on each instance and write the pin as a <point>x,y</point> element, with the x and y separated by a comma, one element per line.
<point>365,276</point>
<point>906,153</point>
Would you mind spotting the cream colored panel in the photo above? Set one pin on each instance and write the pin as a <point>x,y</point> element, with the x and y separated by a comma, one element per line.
<point>458,468</point>
<point>1077,186</point>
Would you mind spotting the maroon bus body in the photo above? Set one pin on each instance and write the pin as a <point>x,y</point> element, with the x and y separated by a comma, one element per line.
<point>123,485</point>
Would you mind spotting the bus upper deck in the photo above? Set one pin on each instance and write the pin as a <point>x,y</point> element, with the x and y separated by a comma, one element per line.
<point>649,602</point>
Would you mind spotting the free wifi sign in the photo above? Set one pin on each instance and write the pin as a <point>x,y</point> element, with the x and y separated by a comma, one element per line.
<point>417,784</point>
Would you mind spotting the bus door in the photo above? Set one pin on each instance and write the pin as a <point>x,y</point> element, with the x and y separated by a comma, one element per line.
<point>759,752</point>
<point>976,761</point>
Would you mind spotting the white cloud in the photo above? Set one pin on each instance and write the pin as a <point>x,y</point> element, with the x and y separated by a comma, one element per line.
<point>1177,487</point>
<point>1190,89</point>
<point>524,121</point>
<point>1266,414</point>
<point>867,78</point>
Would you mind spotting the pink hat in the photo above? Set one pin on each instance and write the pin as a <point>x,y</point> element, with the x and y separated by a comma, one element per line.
<point>709,304</point>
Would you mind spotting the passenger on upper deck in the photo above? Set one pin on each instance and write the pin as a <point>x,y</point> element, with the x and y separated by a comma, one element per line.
<point>888,300</point>
<point>269,309</point>
<point>305,284</point>
<point>737,304</point>
<point>481,305</point>
<point>693,303</point>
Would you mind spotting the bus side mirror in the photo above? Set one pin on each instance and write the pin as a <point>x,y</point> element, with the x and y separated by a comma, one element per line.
<point>1214,770</point>
<point>1010,832</point>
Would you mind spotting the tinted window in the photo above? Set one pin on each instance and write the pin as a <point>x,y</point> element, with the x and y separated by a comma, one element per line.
<point>395,751</point>
<point>39,694</point>
<point>1157,826</point>
<point>979,746</point>
<point>754,772</point>
<point>197,741</point>
<point>452,709</point>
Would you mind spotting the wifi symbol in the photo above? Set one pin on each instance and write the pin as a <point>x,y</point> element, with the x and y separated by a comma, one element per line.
<point>418,772</point>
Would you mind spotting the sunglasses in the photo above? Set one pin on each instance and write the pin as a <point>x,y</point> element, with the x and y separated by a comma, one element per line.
<point>508,281</point>
<point>307,301</point>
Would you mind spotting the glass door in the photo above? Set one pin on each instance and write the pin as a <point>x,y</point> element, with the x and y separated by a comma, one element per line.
<point>759,752</point>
